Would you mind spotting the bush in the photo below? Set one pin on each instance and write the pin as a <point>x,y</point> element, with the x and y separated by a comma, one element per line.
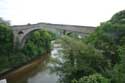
<point>95,78</point>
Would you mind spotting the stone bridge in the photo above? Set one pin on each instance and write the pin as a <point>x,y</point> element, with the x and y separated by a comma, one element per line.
<point>21,31</point>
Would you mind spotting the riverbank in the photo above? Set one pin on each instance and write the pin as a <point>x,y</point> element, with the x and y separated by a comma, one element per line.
<point>20,71</point>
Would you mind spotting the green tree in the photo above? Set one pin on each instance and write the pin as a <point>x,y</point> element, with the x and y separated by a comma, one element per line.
<point>95,78</point>
<point>118,17</point>
<point>119,69</point>
<point>6,44</point>
<point>79,60</point>
<point>109,36</point>
<point>6,39</point>
<point>38,43</point>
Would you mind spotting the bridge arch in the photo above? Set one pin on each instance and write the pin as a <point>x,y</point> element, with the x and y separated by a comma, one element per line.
<point>26,36</point>
<point>25,33</point>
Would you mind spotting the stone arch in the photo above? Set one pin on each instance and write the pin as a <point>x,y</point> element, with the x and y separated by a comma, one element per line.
<point>27,34</point>
<point>25,37</point>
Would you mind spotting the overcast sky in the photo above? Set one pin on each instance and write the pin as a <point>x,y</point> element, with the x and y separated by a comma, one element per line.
<point>75,12</point>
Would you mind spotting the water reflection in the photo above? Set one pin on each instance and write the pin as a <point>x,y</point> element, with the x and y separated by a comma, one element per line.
<point>42,72</point>
<point>45,75</point>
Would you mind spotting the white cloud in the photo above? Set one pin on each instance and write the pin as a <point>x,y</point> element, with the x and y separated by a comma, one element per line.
<point>79,12</point>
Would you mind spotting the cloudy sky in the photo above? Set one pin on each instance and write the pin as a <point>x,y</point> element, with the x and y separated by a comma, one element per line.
<point>75,12</point>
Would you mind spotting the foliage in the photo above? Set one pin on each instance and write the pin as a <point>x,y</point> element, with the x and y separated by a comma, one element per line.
<point>118,17</point>
<point>107,38</point>
<point>4,22</point>
<point>6,44</point>
<point>74,35</point>
<point>99,59</point>
<point>6,39</point>
<point>95,78</point>
<point>38,43</point>
<point>11,57</point>
<point>102,48</point>
<point>119,69</point>
<point>79,60</point>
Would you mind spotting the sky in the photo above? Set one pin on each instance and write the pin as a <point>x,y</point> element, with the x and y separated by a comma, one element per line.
<point>73,12</point>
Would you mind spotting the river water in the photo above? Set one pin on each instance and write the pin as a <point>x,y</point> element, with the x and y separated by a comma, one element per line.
<point>42,73</point>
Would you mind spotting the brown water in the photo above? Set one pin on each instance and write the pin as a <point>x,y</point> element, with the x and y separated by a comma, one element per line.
<point>40,73</point>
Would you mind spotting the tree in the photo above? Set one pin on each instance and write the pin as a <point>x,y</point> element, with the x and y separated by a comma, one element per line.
<point>4,22</point>
<point>119,69</point>
<point>118,17</point>
<point>95,78</point>
<point>6,38</point>
<point>79,60</point>
<point>109,36</point>
<point>38,43</point>
<point>6,44</point>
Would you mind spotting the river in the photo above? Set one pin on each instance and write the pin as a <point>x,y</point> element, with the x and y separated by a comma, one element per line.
<point>41,73</point>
